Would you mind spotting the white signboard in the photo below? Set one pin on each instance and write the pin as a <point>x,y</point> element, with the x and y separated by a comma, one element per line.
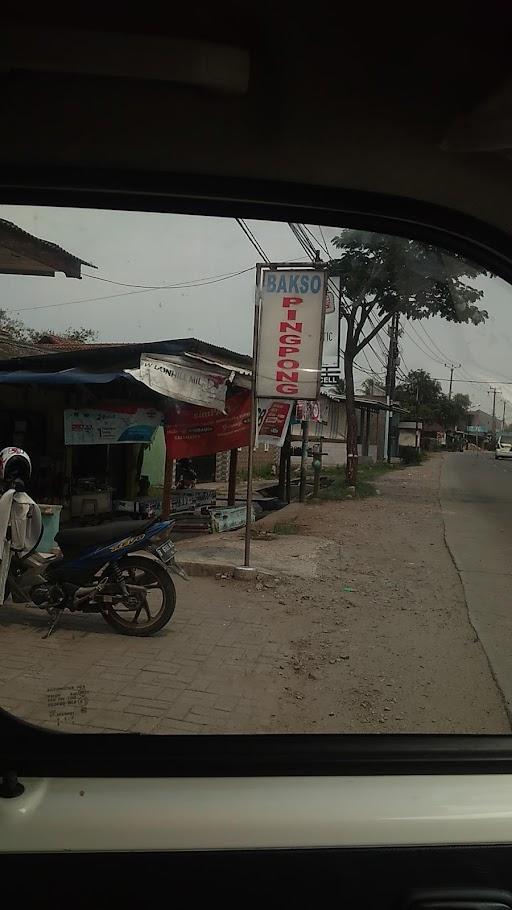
<point>291,334</point>
<point>93,426</point>
<point>168,376</point>
<point>330,355</point>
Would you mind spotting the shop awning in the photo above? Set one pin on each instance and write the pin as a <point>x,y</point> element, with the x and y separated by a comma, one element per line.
<point>61,377</point>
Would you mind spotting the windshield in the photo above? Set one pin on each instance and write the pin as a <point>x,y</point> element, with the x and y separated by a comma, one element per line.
<point>366,463</point>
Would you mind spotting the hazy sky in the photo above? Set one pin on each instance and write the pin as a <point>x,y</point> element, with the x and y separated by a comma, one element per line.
<point>158,249</point>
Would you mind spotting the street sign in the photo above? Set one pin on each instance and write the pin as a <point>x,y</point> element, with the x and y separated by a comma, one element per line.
<point>290,336</point>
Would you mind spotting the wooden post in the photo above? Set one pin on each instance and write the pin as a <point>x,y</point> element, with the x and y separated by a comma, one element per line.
<point>233,460</point>
<point>317,466</point>
<point>303,457</point>
<point>283,462</point>
<point>168,482</point>
<point>288,496</point>
<point>366,434</point>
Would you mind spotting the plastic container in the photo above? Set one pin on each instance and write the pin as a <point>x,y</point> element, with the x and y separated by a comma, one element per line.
<point>51,522</point>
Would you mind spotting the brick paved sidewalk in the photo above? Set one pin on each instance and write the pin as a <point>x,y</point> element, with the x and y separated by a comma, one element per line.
<point>207,671</point>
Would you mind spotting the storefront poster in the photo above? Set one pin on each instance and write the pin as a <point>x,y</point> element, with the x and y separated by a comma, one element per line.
<point>110,426</point>
<point>273,419</point>
<point>191,431</point>
<point>292,312</point>
<point>168,376</point>
<point>308,410</point>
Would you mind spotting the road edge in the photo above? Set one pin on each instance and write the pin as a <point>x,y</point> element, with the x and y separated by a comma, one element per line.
<point>508,711</point>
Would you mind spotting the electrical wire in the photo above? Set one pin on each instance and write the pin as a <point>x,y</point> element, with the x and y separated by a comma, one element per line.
<point>250,236</point>
<point>168,287</point>
<point>163,287</point>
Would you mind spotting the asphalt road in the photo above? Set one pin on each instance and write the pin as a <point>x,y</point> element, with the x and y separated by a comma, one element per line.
<point>476,499</point>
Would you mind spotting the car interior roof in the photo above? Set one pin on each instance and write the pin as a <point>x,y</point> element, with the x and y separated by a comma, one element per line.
<point>414,104</point>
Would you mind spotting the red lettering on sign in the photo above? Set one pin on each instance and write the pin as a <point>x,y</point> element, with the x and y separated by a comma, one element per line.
<point>285,389</point>
<point>291,301</point>
<point>288,350</point>
<point>288,364</point>
<point>291,377</point>
<point>290,327</point>
<point>290,339</point>
<point>292,314</point>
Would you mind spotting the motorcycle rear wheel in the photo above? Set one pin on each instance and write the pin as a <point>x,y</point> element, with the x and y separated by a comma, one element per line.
<point>149,617</point>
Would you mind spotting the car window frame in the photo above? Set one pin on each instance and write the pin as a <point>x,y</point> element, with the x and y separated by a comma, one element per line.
<point>34,751</point>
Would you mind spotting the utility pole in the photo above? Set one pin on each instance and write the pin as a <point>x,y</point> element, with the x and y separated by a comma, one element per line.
<point>503,418</point>
<point>493,389</point>
<point>391,378</point>
<point>452,367</point>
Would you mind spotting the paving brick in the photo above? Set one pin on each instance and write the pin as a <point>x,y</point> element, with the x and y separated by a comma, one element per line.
<point>144,725</point>
<point>176,726</point>
<point>147,711</point>
<point>138,691</point>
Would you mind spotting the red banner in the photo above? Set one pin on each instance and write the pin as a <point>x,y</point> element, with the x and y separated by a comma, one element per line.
<point>191,431</point>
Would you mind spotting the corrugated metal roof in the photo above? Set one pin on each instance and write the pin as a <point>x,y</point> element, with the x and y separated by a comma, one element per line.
<point>16,231</point>
<point>121,355</point>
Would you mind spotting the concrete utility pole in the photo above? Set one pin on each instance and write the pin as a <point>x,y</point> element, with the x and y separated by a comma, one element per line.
<point>493,389</point>
<point>393,331</point>
<point>503,417</point>
<point>452,367</point>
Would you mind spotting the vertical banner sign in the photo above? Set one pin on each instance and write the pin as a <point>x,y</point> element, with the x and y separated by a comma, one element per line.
<point>289,356</point>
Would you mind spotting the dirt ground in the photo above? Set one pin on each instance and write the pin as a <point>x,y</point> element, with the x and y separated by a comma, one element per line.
<point>382,642</point>
<point>379,642</point>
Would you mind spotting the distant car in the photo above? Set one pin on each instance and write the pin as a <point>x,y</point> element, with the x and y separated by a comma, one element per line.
<point>504,446</point>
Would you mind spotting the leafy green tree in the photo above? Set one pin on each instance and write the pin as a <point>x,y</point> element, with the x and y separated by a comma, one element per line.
<point>381,275</point>
<point>372,385</point>
<point>421,395</point>
<point>424,398</point>
<point>14,327</point>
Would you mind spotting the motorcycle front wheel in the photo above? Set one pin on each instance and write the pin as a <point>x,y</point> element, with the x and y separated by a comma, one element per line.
<point>148,610</point>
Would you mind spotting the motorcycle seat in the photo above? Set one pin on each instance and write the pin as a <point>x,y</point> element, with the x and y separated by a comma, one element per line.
<point>83,538</point>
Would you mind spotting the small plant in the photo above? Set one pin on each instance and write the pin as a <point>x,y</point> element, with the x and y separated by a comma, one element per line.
<point>286,527</point>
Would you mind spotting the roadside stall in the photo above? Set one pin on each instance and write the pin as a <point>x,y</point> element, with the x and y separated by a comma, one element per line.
<point>87,417</point>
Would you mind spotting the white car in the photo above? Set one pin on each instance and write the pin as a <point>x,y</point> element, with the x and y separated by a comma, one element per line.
<point>504,446</point>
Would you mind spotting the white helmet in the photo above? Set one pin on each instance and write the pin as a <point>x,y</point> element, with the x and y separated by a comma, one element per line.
<point>15,464</point>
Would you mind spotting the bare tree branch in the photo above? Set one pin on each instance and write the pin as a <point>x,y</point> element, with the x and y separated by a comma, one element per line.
<point>375,331</point>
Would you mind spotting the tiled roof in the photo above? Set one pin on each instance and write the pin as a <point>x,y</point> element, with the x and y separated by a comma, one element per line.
<point>46,244</point>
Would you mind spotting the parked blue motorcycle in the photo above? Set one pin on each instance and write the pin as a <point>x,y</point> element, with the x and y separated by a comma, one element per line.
<point>121,570</point>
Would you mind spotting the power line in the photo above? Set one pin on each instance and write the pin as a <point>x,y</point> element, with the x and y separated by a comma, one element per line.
<point>423,350</point>
<point>250,236</point>
<point>433,344</point>
<point>163,287</point>
<point>168,287</point>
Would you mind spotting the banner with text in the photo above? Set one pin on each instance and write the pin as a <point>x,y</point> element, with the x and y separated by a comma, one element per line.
<point>273,420</point>
<point>168,376</point>
<point>291,334</point>
<point>191,431</point>
<point>109,426</point>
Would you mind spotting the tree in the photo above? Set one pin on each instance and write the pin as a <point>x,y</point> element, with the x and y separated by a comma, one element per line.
<point>16,328</point>
<point>372,385</point>
<point>456,412</point>
<point>381,275</point>
<point>421,395</point>
<point>425,400</point>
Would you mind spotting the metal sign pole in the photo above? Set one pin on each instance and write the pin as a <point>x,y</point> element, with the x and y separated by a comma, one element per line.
<point>254,415</point>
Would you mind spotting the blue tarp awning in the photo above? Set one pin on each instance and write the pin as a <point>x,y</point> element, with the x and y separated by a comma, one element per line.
<point>62,377</point>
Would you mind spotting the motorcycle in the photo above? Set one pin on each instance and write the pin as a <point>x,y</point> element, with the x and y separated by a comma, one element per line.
<point>120,570</point>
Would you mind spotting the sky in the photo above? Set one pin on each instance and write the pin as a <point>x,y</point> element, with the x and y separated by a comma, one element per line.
<point>157,249</point>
